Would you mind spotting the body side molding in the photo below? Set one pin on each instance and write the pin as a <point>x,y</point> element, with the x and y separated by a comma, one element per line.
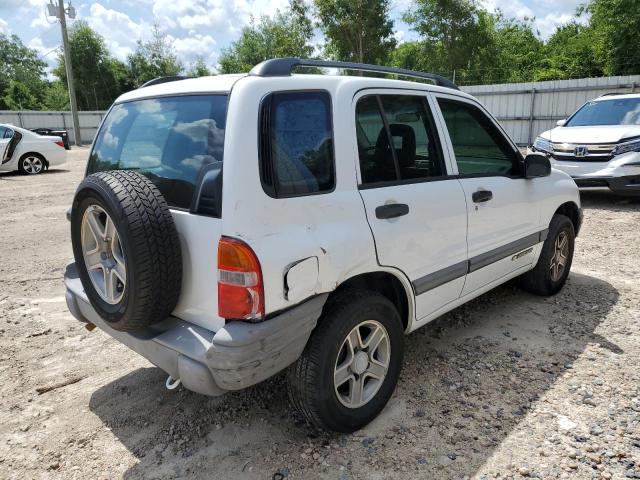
<point>452,272</point>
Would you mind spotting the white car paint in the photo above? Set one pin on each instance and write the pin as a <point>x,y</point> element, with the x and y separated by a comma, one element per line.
<point>594,138</point>
<point>30,143</point>
<point>324,240</point>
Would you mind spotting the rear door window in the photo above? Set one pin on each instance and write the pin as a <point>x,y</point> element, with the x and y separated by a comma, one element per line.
<point>405,122</point>
<point>167,139</point>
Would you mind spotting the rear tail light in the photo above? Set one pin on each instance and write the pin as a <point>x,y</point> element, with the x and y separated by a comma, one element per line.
<point>60,143</point>
<point>240,287</point>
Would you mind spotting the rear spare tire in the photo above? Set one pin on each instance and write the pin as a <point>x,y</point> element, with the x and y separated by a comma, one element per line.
<point>126,249</point>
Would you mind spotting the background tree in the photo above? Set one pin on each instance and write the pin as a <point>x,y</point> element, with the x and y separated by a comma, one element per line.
<point>571,52</point>
<point>18,97</point>
<point>356,30</point>
<point>515,54</point>
<point>199,69</point>
<point>21,70</point>
<point>56,97</point>
<point>456,28</point>
<point>287,34</point>
<point>99,78</point>
<point>615,26</point>
<point>152,59</point>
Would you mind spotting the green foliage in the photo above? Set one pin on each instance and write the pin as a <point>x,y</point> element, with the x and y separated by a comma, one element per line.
<point>18,97</point>
<point>518,52</point>
<point>56,97</point>
<point>616,34</point>
<point>571,52</point>
<point>455,38</point>
<point>152,59</point>
<point>199,69</point>
<point>20,65</point>
<point>99,78</point>
<point>452,27</point>
<point>287,34</point>
<point>356,30</point>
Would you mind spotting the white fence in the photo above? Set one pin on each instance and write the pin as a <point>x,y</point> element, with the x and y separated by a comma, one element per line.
<point>524,109</point>
<point>89,121</point>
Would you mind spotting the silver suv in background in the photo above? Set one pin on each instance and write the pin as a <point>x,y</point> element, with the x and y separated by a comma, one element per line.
<point>599,145</point>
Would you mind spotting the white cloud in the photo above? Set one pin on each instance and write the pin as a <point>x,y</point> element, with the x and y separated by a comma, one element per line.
<point>556,12</point>
<point>195,45</point>
<point>511,8</point>
<point>547,25</point>
<point>119,31</point>
<point>4,27</point>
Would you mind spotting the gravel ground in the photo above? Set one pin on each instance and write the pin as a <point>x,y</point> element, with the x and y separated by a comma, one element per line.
<point>508,386</point>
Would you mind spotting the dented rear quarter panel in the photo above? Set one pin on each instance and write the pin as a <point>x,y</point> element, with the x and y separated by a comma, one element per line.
<point>331,227</point>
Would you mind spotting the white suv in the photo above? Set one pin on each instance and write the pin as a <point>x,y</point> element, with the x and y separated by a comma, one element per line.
<point>599,145</point>
<point>232,226</point>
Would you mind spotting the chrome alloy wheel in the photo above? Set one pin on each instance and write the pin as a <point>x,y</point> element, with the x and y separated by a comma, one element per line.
<point>32,165</point>
<point>362,364</point>
<point>103,254</point>
<point>560,256</point>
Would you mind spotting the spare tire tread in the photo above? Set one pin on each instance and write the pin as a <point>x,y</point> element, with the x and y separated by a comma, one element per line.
<point>156,256</point>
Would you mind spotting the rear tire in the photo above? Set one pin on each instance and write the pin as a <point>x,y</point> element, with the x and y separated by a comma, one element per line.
<point>551,272</point>
<point>126,249</point>
<point>340,388</point>
<point>32,164</point>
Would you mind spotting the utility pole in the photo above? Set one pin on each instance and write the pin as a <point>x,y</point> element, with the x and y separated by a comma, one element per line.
<point>60,14</point>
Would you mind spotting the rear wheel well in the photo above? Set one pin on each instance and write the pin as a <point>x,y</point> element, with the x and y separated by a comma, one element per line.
<point>571,210</point>
<point>385,284</point>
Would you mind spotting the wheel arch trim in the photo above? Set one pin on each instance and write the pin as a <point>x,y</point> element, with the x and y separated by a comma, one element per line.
<point>363,279</point>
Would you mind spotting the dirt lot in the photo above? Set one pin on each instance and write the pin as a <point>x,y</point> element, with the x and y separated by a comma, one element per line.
<point>509,386</point>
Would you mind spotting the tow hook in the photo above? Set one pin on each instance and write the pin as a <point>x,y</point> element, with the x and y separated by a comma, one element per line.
<point>172,384</point>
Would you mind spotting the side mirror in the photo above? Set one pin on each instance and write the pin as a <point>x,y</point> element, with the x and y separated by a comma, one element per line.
<point>536,165</point>
<point>561,123</point>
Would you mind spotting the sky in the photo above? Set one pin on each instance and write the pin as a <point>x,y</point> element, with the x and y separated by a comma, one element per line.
<point>204,27</point>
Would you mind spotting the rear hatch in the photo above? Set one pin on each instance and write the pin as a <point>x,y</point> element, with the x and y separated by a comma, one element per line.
<point>172,140</point>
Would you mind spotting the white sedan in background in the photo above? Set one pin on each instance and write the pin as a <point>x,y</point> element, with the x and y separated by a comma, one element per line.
<point>29,152</point>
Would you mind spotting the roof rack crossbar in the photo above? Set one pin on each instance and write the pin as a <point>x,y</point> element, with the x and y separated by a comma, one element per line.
<point>159,80</point>
<point>279,67</point>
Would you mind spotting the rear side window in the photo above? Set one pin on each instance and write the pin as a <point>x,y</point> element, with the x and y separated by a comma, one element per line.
<point>167,139</point>
<point>296,144</point>
<point>479,147</point>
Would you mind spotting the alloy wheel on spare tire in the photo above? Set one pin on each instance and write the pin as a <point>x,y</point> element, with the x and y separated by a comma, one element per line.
<point>351,364</point>
<point>126,249</point>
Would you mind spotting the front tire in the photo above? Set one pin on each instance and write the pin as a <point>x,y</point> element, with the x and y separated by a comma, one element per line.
<point>351,364</point>
<point>551,272</point>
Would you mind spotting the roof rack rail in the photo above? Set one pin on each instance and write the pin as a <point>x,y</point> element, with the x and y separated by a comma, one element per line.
<point>279,67</point>
<point>159,80</point>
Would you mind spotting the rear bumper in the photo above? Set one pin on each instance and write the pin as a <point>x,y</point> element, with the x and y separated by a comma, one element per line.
<point>237,356</point>
<point>56,157</point>
<point>628,185</point>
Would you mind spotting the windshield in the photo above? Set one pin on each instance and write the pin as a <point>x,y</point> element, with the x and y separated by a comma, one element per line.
<point>168,139</point>
<point>621,111</point>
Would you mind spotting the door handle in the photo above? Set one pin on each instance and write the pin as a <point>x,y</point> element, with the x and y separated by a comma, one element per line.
<point>392,210</point>
<point>482,196</point>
